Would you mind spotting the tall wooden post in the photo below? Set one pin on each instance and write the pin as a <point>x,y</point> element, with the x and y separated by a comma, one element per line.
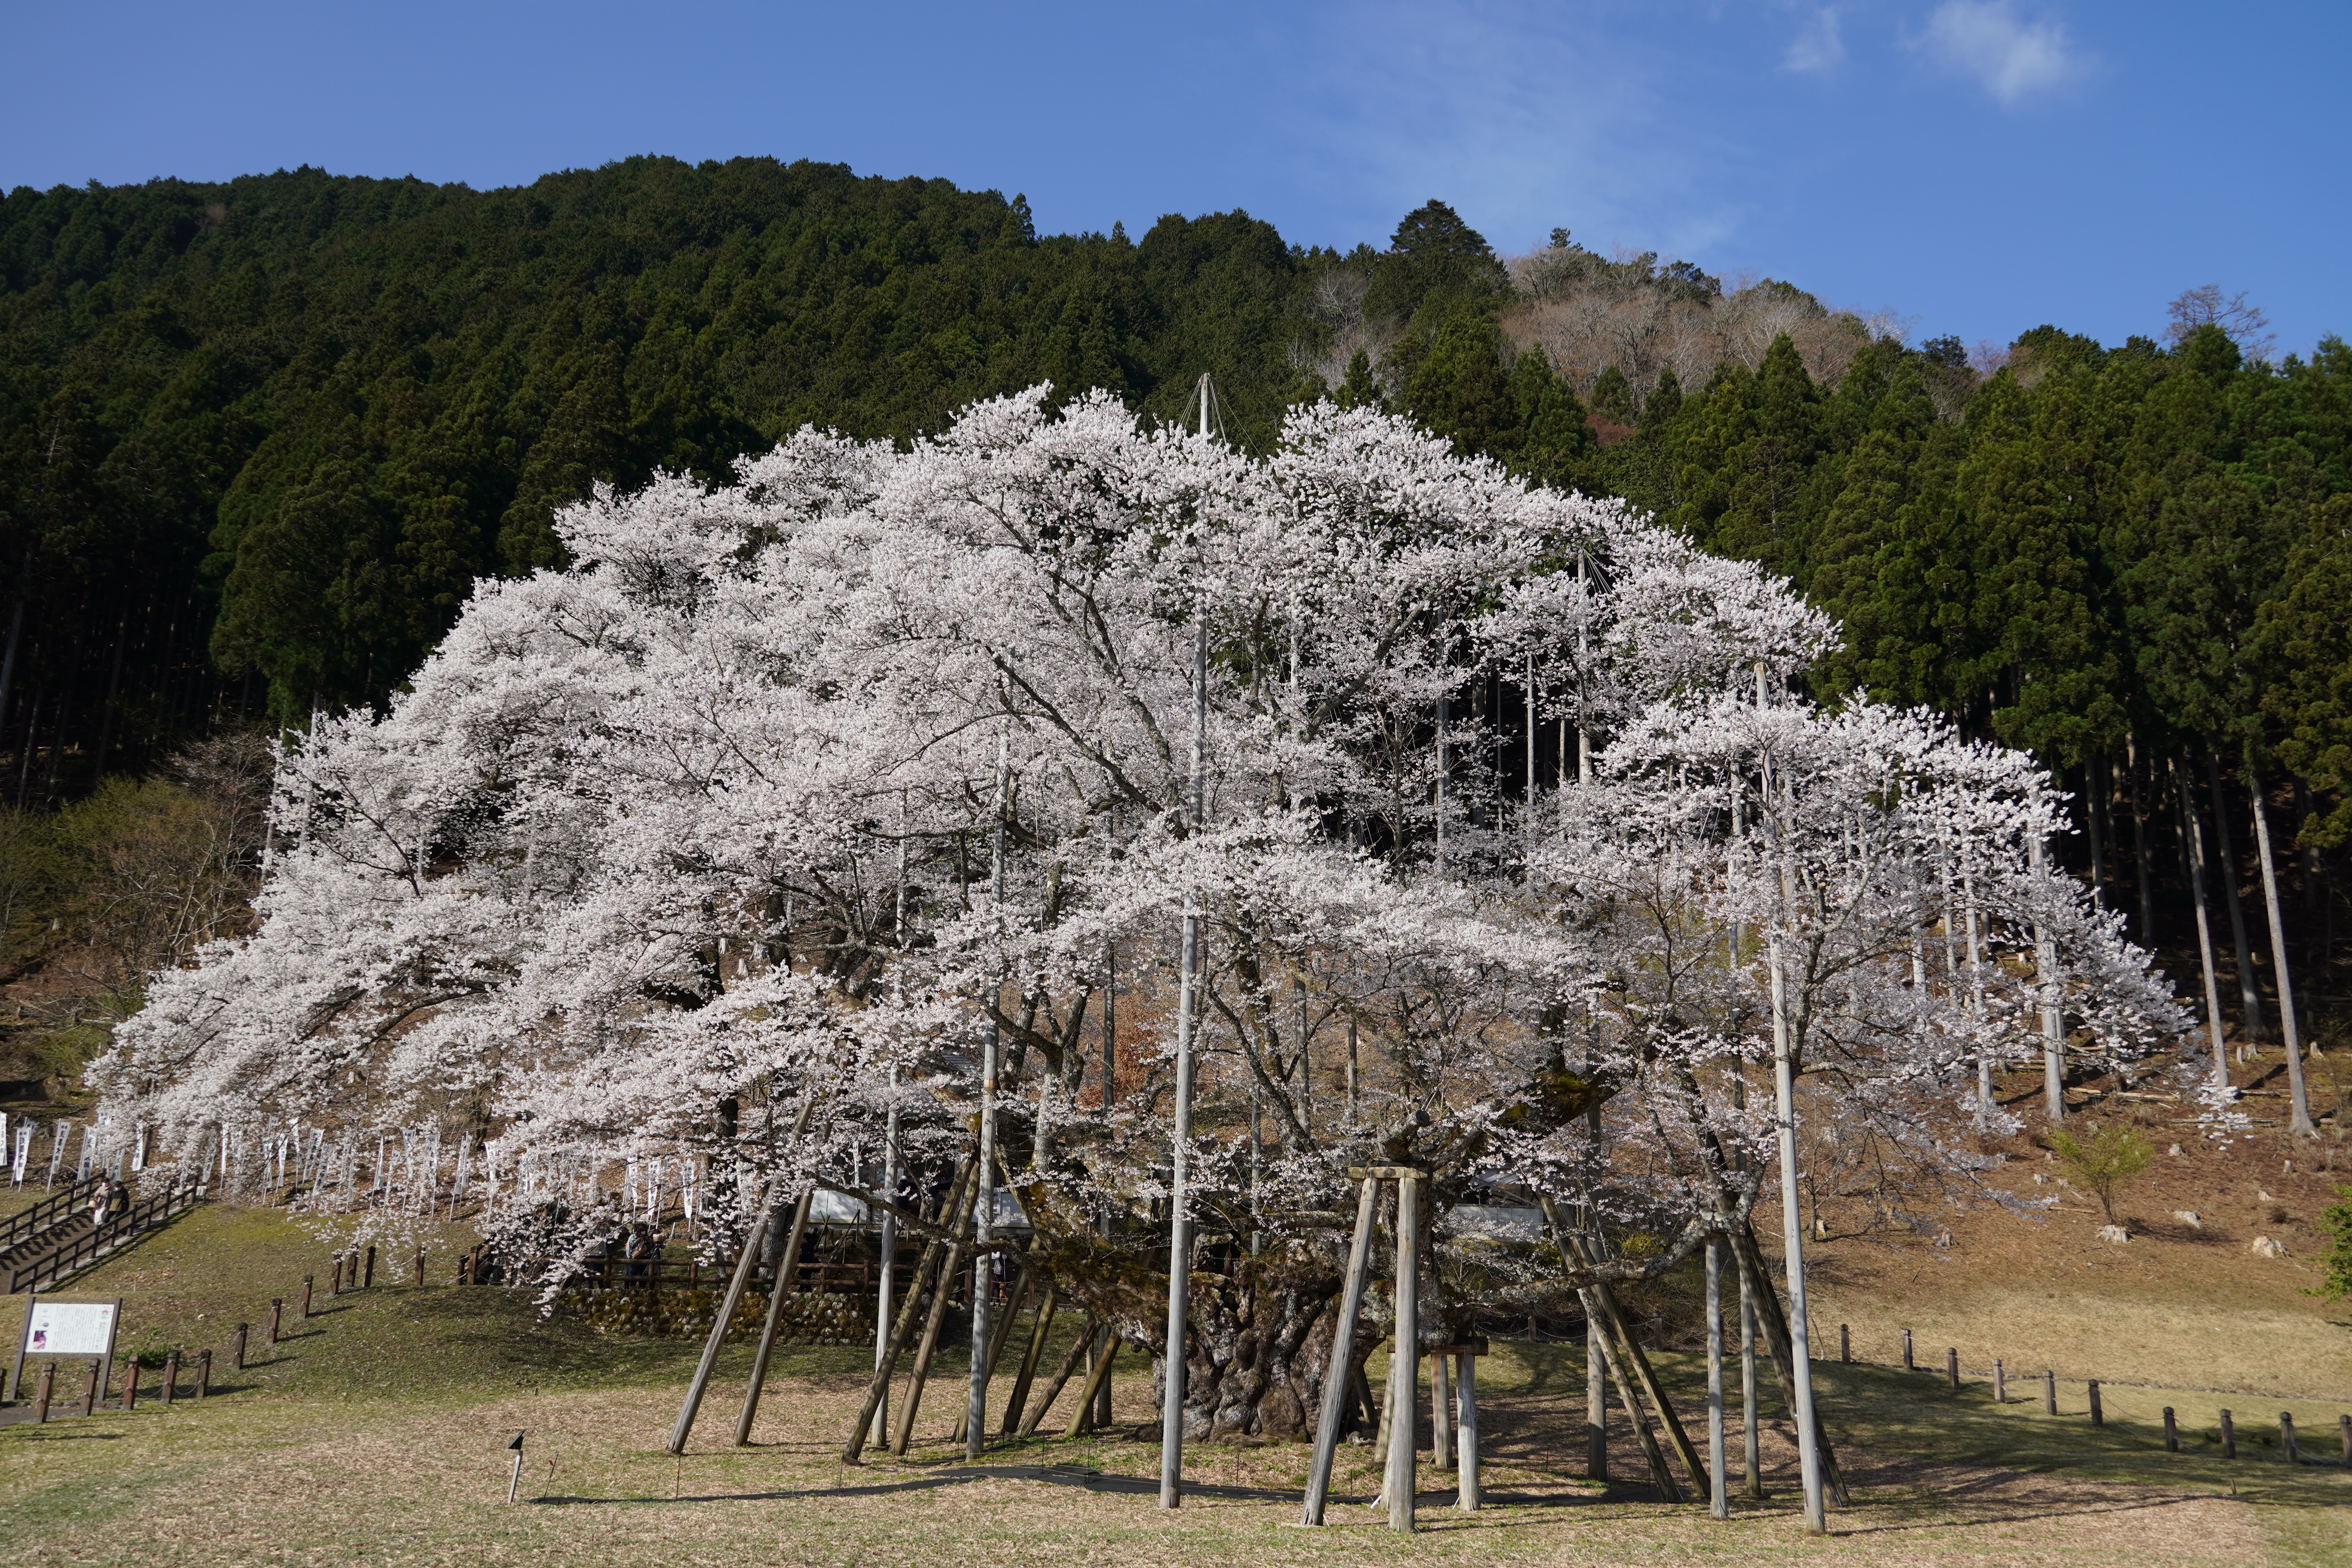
<point>1467,1497</point>
<point>984,1260</point>
<point>1179,1195</point>
<point>1402,1477</point>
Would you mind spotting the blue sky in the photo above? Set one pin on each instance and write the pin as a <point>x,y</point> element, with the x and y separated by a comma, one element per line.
<point>1980,166</point>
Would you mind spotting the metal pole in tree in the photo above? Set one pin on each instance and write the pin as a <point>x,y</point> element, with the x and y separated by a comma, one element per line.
<point>1179,1229</point>
<point>2299,1120</point>
<point>2192,831</point>
<point>984,1260</point>
<point>1719,1489</point>
<point>1784,1107</point>
<point>2054,1040</point>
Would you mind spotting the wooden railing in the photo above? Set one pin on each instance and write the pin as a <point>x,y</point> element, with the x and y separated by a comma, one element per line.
<point>23,1227</point>
<point>116,1231</point>
<point>682,1273</point>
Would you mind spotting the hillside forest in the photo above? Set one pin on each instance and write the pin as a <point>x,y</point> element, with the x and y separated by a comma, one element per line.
<point>258,439</point>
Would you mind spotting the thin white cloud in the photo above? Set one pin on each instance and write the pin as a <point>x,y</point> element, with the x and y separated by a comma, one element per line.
<point>2010,58</point>
<point>1817,49</point>
<point>1523,116</point>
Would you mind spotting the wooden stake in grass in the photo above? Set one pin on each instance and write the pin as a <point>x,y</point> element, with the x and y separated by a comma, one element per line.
<point>335,1278</point>
<point>1907,1365</point>
<point>1091,1400</point>
<point>130,1384</point>
<point>2286,1438</point>
<point>1845,1344</point>
<point>2171,1433</point>
<point>41,1394</point>
<point>2048,1392</point>
<point>2000,1381</point>
<point>277,1306</point>
<point>789,1260</point>
<point>367,1273</point>
<point>514,1482</point>
<point>204,1373</point>
<point>2229,1437</point>
<point>2344,1431</point>
<point>236,1348</point>
<point>171,1377</point>
<point>1952,1366</point>
<point>90,1389</point>
<point>2099,1415</point>
<point>303,1313</point>
<point>1080,1348</point>
<point>420,1266</point>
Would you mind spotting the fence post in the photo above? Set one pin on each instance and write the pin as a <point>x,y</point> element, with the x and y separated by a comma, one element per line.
<point>2229,1437</point>
<point>2048,1392</point>
<point>1845,1343</point>
<point>130,1384</point>
<point>1952,1366</point>
<point>304,1313</point>
<point>2098,1417</point>
<point>203,1373</point>
<point>2344,1430</point>
<point>2286,1438</point>
<point>41,1394</point>
<point>2171,1433</point>
<point>236,1348</point>
<point>1906,1351</point>
<point>367,1272</point>
<point>90,1389</point>
<point>2000,1381</point>
<point>335,1280</point>
<point>276,1305</point>
<point>171,1377</point>
<point>420,1266</point>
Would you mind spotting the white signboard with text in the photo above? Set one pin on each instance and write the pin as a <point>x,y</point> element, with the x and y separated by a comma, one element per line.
<point>70,1328</point>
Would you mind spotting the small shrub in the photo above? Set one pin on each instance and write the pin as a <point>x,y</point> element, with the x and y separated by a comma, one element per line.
<point>2336,1265</point>
<point>2110,1157</point>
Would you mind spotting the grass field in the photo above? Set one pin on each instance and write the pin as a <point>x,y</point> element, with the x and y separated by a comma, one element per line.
<point>376,1432</point>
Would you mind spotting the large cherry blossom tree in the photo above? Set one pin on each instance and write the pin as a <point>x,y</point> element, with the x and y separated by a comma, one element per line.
<point>1515,852</point>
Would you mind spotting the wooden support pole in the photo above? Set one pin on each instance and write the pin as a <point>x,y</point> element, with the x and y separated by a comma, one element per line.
<point>2286,1438</point>
<point>941,1289</point>
<point>2171,1432</point>
<point>1909,1366</point>
<point>720,1323</point>
<point>1751,1412</point>
<point>1000,1334</point>
<point>42,1393</point>
<point>1466,1496</point>
<point>1079,1349</point>
<point>2048,1392</point>
<point>130,1384</point>
<point>1630,1366</point>
<point>2344,1432</point>
<point>89,1389</point>
<point>1441,1418</point>
<point>1952,1366</point>
<point>367,1272</point>
<point>2000,1381</point>
<point>171,1377</point>
<point>204,1373</point>
<point>1774,1322</point>
<point>1845,1344</point>
<point>1401,1476</point>
<point>1041,1324</point>
<point>276,1305</point>
<point>1090,1399</point>
<point>1596,1402</point>
<point>236,1348</point>
<point>420,1266</point>
<point>303,1311</point>
<point>787,1268</point>
<point>2099,1415</point>
<point>910,1314</point>
<point>2229,1437</point>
